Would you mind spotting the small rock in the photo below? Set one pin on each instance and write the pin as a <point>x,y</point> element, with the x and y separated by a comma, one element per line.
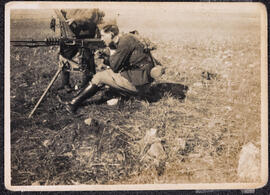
<point>112,102</point>
<point>228,108</point>
<point>181,143</point>
<point>112,51</point>
<point>184,61</point>
<point>148,139</point>
<point>151,132</point>
<point>156,151</point>
<point>36,183</point>
<point>252,65</point>
<point>75,182</point>
<point>120,157</point>
<point>94,127</point>
<point>191,91</point>
<point>249,163</point>
<point>225,76</point>
<point>68,154</point>
<point>198,84</point>
<point>151,148</point>
<point>23,85</point>
<point>238,116</point>
<point>88,121</point>
<point>17,57</point>
<point>46,143</point>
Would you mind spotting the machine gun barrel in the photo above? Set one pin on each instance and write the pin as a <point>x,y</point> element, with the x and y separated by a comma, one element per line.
<point>80,43</point>
<point>29,43</point>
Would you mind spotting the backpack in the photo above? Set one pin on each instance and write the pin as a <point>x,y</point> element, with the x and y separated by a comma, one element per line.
<point>147,44</point>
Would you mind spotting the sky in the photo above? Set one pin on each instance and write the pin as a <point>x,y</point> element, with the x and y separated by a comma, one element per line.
<point>163,17</point>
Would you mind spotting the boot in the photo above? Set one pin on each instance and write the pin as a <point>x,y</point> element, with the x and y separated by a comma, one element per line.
<point>85,93</point>
<point>65,81</point>
<point>86,78</point>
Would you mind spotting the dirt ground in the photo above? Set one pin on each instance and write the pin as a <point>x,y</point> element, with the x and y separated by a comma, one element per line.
<point>205,108</point>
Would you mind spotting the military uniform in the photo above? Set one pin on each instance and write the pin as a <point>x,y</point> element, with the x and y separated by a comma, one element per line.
<point>130,68</point>
<point>129,62</point>
<point>82,28</point>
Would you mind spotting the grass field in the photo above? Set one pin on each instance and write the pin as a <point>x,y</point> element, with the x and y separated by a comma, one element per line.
<point>201,131</point>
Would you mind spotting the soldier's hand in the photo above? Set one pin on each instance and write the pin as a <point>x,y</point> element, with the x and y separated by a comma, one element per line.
<point>104,67</point>
<point>103,53</point>
<point>70,21</point>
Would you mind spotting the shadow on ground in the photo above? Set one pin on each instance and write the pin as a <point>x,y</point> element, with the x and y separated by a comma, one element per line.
<point>151,93</point>
<point>157,91</point>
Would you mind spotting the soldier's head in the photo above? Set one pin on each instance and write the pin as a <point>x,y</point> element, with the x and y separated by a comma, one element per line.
<point>97,16</point>
<point>109,33</point>
<point>64,13</point>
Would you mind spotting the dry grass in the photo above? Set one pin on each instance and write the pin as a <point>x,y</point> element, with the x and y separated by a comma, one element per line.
<point>202,134</point>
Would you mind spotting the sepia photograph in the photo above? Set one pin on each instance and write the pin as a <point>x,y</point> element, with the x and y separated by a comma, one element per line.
<point>135,96</point>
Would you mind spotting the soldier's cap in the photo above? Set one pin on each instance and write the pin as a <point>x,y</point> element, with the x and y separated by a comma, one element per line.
<point>111,28</point>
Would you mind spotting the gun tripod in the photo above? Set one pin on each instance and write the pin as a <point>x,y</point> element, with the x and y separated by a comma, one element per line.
<point>64,64</point>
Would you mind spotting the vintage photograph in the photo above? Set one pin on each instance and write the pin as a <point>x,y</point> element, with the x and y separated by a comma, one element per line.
<point>135,95</point>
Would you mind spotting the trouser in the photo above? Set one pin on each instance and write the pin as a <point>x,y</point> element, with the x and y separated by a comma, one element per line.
<point>112,79</point>
<point>89,70</point>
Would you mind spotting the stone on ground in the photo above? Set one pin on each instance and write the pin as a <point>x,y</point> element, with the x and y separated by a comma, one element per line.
<point>249,163</point>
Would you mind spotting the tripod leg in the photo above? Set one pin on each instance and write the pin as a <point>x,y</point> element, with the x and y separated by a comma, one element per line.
<point>45,92</point>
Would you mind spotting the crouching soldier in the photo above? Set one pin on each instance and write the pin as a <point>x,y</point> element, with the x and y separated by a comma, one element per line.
<point>130,67</point>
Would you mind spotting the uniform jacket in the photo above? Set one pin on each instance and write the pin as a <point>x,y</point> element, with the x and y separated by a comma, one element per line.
<point>83,28</point>
<point>131,61</point>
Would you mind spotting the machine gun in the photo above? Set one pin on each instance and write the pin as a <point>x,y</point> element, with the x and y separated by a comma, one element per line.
<point>67,39</point>
<point>70,65</point>
<point>92,44</point>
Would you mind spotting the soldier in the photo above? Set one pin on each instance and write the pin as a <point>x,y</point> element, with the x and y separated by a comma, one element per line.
<point>83,25</point>
<point>52,24</point>
<point>130,67</point>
